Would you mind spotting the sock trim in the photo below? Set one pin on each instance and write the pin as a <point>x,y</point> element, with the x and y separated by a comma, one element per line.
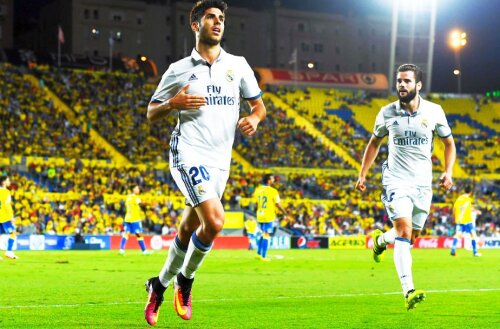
<point>179,245</point>
<point>403,239</point>
<point>198,244</point>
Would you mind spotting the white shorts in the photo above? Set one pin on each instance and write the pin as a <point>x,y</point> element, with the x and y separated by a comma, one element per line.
<point>408,202</point>
<point>199,183</point>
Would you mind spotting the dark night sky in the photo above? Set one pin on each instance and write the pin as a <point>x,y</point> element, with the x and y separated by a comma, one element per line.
<point>480,59</point>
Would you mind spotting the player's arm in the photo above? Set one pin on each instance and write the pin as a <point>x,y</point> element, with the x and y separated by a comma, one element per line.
<point>282,209</point>
<point>371,153</point>
<point>450,153</point>
<point>181,101</point>
<point>248,125</point>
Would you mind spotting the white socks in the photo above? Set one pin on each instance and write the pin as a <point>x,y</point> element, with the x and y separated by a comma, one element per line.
<point>173,264</point>
<point>195,254</point>
<point>188,261</point>
<point>387,238</point>
<point>403,262</point>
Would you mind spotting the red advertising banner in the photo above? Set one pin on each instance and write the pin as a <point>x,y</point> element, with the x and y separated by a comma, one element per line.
<point>158,242</point>
<point>375,81</point>
<point>425,242</point>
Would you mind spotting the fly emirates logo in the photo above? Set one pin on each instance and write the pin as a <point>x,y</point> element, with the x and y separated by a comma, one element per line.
<point>410,138</point>
<point>215,98</point>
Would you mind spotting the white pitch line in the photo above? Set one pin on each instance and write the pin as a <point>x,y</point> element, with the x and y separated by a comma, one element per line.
<point>251,298</point>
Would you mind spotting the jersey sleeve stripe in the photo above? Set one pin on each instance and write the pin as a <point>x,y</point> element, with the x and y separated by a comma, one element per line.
<point>189,188</point>
<point>380,136</point>
<point>445,136</point>
<point>156,101</point>
<point>254,97</point>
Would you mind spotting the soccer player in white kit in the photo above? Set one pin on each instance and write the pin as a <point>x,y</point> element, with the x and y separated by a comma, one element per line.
<point>203,90</point>
<point>410,124</point>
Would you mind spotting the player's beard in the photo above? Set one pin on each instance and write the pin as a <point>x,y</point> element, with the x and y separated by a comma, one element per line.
<point>209,40</point>
<point>409,96</point>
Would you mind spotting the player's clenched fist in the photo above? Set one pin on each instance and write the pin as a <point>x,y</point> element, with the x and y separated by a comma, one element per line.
<point>360,184</point>
<point>248,125</point>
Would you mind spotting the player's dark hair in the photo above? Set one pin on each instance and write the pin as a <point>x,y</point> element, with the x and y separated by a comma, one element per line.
<point>3,178</point>
<point>199,8</point>
<point>467,189</point>
<point>414,68</point>
<point>266,178</point>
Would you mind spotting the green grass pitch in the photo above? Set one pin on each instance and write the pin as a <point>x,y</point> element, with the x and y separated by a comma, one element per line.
<point>297,289</point>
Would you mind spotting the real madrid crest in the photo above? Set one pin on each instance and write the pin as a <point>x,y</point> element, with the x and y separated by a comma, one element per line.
<point>424,123</point>
<point>229,76</point>
<point>201,191</point>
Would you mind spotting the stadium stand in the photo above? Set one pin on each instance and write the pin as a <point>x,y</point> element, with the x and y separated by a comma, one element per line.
<point>312,140</point>
<point>32,125</point>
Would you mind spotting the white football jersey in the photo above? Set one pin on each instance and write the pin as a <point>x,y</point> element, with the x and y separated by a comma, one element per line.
<point>206,136</point>
<point>410,142</point>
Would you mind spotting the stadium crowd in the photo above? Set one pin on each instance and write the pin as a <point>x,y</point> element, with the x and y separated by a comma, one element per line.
<point>32,125</point>
<point>280,143</point>
<point>67,194</point>
<point>115,105</point>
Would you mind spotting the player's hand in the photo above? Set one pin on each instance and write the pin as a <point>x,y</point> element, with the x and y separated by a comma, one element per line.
<point>248,125</point>
<point>185,101</point>
<point>445,181</point>
<point>360,184</point>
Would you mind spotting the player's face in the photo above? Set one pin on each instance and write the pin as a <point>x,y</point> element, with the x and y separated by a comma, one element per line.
<point>211,28</point>
<point>137,190</point>
<point>6,183</point>
<point>406,86</point>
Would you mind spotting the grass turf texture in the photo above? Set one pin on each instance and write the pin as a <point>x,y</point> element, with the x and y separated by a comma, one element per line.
<point>304,289</point>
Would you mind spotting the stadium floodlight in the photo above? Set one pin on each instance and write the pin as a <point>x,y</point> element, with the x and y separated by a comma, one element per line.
<point>424,9</point>
<point>458,40</point>
<point>310,65</point>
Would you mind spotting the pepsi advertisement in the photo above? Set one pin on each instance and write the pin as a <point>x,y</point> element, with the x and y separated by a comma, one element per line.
<point>303,242</point>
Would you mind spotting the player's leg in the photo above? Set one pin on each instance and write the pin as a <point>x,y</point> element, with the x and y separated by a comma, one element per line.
<point>10,229</point>
<point>399,204</point>
<point>124,239</point>
<point>251,241</point>
<point>211,215</point>
<point>473,236</point>
<point>380,242</point>
<point>402,255</point>
<point>267,229</point>
<point>389,237</point>
<point>260,245</point>
<point>421,203</point>
<point>381,239</point>
<point>2,231</point>
<point>140,241</point>
<point>260,240</point>
<point>458,235</point>
<point>206,192</point>
<point>156,286</point>
<point>137,229</point>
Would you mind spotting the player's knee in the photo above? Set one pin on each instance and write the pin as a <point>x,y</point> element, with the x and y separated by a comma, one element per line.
<point>214,226</point>
<point>186,229</point>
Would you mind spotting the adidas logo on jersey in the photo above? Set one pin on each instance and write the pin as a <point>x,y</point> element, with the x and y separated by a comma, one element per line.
<point>192,77</point>
<point>395,123</point>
